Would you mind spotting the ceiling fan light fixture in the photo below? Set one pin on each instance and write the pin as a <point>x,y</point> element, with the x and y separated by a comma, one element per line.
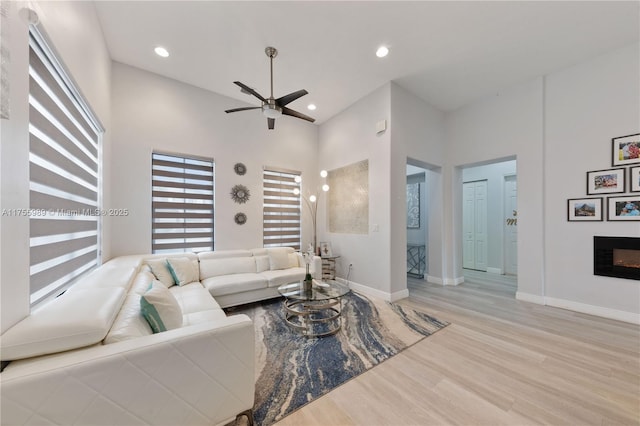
<point>271,111</point>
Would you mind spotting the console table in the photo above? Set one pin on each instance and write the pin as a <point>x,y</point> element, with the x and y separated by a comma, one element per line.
<point>416,260</point>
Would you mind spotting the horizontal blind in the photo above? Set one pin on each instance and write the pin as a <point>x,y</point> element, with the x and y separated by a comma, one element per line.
<point>182,203</point>
<point>282,213</point>
<point>64,176</point>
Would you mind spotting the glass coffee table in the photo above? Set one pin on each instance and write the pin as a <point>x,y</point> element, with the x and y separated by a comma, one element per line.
<point>315,312</point>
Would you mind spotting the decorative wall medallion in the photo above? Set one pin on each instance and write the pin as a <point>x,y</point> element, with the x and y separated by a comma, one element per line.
<point>240,194</point>
<point>240,218</point>
<point>240,169</point>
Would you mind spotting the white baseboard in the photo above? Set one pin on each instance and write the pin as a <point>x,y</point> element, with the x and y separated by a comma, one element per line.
<point>531,298</point>
<point>599,311</point>
<point>494,270</point>
<point>446,281</point>
<point>379,294</point>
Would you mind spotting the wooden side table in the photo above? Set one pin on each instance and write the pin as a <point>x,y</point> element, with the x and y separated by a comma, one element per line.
<point>329,267</point>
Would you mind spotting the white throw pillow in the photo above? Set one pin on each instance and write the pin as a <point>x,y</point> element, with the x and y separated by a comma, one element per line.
<point>278,258</point>
<point>183,270</point>
<point>160,308</point>
<point>262,263</point>
<point>161,271</point>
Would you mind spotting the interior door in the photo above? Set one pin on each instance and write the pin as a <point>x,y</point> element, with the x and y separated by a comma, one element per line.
<point>474,213</point>
<point>511,225</point>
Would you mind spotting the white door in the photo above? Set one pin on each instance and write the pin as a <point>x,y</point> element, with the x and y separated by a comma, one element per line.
<point>510,225</point>
<point>474,213</point>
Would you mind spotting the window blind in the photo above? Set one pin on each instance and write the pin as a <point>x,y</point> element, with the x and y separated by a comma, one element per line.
<point>281,214</point>
<point>64,176</point>
<point>182,203</point>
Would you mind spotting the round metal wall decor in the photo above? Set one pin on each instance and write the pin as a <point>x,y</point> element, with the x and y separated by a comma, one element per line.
<point>240,218</point>
<point>240,194</point>
<point>240,169</point>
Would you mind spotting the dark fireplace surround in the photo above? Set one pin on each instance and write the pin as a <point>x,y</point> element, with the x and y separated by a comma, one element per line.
<point>617,257</point>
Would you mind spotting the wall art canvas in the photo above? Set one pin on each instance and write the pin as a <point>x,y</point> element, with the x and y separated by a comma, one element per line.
<point>413,205</point>
<point>348,205</point>
<point>626,150</point>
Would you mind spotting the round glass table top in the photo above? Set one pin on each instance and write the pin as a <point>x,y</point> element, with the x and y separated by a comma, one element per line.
<point>320,290</point>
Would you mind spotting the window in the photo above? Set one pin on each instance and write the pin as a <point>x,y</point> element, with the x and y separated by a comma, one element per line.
<point>182,201</point>
<point>64,170</point>
<point>281,209</point>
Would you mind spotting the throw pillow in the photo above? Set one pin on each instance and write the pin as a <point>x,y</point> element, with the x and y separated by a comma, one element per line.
<point>262,263</point>
<point>161,271</point>
<point>293,260</point>
<point>160,308</point>
<point>183,270</point>
<point>278,258</point>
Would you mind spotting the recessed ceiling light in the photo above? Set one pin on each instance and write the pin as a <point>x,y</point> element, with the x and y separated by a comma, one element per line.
<point>382,52</point>
<point>161,51</point>
<point>311,107</point>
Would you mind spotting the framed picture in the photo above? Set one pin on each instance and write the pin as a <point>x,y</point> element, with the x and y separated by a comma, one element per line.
<point>584,209</point>
<point>626,150</point>
<point>634,179</point>
<point>624,208</point>
<point>605,181</point>
<point>413,205</point>
<point>325,249</point>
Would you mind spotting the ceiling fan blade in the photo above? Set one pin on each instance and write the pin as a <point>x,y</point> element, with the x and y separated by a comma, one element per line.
<point>287,99</point>
<point>271,123</point>
<point>287,111</point>
<point>241,109</point>
<point>250,90</point>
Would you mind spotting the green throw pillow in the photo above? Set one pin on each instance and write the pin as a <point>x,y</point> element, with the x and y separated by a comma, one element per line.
<point>160,308</point>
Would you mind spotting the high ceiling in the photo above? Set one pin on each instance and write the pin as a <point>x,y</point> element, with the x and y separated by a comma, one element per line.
<point>448,53</point>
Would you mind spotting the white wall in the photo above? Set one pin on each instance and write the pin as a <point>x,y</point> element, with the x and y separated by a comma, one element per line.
<point>345,139</point>
<point>494,174</point>
<point>151,112</point>
<point>75,33</point>
<point>506,125</point>
<point>586,106</point>
<point>559,127</point>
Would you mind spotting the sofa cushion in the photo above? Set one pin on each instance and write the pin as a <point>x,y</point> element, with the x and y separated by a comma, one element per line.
<point>237,283</point>
<point>293,260</point>
<point>160,308</point>
<point>108,275</point>
<point>194,298</point>
<point>233,265</point>
<point>142,281</point>
<point>183,270</point>
<point>278,258</point>
<point>129,323</point>
<point>284,276</point>
<point>160,269</point>
<point>262,263</point>
<point>203,316</point>
<point>73,320</point>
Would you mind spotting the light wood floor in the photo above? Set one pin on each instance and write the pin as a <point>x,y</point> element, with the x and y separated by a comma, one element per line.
<point>500,362</point>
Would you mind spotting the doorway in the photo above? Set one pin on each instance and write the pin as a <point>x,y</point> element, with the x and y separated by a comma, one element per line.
<point>489,217</point>
<point>417,222</point>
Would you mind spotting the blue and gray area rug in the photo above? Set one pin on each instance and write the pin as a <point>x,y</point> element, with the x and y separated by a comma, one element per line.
<point>292,370</point>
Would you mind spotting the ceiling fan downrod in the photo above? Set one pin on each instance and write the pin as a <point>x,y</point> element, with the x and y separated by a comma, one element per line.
<point>271,52</point>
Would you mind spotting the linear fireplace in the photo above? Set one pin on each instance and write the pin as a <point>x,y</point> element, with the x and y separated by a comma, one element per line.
<point>617,257</point>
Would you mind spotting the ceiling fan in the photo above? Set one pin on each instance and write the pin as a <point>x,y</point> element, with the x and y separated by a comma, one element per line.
<point>273,108</point>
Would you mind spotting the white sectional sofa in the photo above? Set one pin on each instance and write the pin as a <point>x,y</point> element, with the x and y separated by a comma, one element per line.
<point>89,356</point>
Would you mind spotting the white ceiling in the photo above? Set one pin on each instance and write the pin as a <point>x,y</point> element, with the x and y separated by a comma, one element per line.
<point>449,53</point>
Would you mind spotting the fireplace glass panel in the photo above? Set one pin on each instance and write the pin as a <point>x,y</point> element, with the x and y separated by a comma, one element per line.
<point>626,258</point>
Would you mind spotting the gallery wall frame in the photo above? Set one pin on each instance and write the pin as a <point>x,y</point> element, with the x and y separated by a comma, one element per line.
<point>634,179</point>
<point>413,205</point>
<point>625,150</point>
<point>584,210</point>
<point>609,181</point>
<point>625,208</point>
